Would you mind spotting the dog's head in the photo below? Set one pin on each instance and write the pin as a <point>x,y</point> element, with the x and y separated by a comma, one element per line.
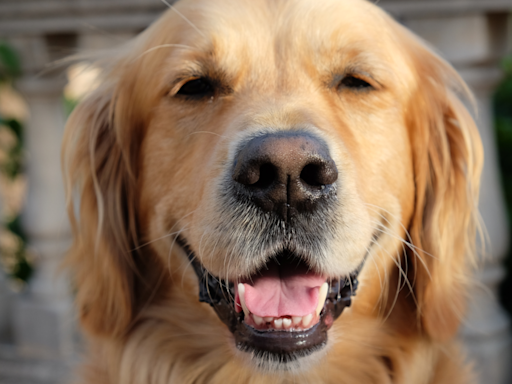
<point>284,151</point>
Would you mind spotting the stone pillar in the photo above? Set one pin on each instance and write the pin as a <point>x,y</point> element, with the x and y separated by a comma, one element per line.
<point>5,309</point>
<point>5,297</point>
<point>43,321</point>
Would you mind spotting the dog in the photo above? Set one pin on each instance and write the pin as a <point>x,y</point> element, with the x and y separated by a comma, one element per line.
<point>273,192</point>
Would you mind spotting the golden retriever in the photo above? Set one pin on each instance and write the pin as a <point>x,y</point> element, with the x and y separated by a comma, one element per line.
<point>245,168</point>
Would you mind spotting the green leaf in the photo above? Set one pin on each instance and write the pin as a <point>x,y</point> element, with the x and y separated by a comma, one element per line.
<point>15,227</point>
<point>10,65</point>
<point>23,270</point>
<point>16,127</point>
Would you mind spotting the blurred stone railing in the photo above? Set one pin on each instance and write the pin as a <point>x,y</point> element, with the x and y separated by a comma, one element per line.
<point>472,34</point>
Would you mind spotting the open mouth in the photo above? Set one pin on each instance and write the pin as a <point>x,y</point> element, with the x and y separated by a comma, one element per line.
<point>283,311</point>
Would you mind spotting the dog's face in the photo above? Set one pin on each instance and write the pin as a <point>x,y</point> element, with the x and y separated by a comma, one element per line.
<point>269,142</point>
<point>286,148</point>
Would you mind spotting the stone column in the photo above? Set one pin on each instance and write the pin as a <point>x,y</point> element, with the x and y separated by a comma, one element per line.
<point>43,321</point>
<point>5,298</point>
<point>5,310</point>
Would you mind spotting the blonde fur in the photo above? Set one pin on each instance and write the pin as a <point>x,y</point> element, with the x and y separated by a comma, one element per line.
<point>147,166</point>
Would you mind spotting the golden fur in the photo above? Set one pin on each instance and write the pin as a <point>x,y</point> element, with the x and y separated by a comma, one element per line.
<point>147,165</point>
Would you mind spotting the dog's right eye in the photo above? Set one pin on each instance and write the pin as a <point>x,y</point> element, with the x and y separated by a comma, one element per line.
<point>196,88</point>
<point>355,83</point>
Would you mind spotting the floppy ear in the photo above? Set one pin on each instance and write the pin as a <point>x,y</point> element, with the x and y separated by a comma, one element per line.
<point>447,155</point>
<point>99,157</point>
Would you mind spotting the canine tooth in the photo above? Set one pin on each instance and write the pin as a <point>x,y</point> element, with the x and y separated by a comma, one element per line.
<point>268,319</point>
<point>241,295</point>
<point>258,320</point>
<point>296,320</point>
<point>287,323</point>
<point>322,295</point>
<point>278,323</point>
<point>306,320</point>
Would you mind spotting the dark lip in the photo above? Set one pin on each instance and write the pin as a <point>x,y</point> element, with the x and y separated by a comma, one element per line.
<point>282,346</point>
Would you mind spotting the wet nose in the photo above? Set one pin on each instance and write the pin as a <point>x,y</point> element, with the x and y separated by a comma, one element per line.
<point>286,172</point>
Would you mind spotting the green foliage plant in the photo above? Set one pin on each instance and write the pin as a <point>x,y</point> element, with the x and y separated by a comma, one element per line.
<point>13,250</point>
<point>502,103</point>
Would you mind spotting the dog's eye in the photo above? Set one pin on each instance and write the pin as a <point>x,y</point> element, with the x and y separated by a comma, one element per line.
<point>196,88</point>
<point>355,83</point>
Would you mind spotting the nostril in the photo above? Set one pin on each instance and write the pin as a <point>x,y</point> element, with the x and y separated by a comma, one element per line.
<point>318,174</point>
<point>256,175</point>
<point>310,175</point>
<point>268,173</point>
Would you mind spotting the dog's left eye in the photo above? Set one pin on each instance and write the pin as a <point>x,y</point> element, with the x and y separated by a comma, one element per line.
<point>355,83</point>
<point>196,88</point>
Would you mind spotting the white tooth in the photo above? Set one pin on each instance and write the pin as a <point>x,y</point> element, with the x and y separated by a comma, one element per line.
<point>258,320</point>
<point>278,323</point>
<point>268,319</point>
<point>322,295</point>
<point>287,323</point>
<point>296,320</point>
<point>241,295</point>
<point>307,319</point>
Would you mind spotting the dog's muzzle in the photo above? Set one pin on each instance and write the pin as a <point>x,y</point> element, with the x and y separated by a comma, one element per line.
<point>283,310</point>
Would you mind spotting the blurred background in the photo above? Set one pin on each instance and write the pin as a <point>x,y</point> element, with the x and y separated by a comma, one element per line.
<point>39,338</point>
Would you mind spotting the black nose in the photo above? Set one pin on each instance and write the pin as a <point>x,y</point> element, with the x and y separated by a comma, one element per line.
<point>287,172</point>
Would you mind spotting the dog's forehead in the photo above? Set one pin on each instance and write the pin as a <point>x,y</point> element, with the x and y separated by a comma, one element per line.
<point>235,34</point>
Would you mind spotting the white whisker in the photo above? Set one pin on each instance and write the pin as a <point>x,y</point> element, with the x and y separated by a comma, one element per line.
<point>418,256</point>
<point>381,282</point>
<point>378,209</point>
<point>183,17</point>
<point>160,47</point>
<point>397,261</point>
<point>153,241</point>
<point>170,250</point>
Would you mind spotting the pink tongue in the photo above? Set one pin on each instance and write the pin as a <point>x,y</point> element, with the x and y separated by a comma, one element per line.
<point>283,291</point>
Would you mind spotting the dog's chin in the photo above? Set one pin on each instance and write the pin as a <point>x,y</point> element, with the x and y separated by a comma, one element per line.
<point>261,354</point>
<point>271,363</point>
<point>284,342</point>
